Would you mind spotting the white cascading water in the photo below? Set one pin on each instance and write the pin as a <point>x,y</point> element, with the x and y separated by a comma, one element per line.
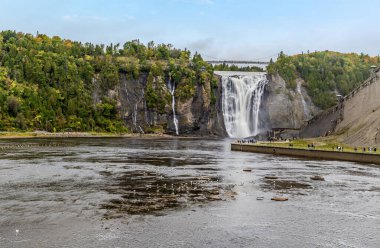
<point>241,100</point>
<point>306,110</point>
<point>135,113</point>
<point>171,87</point>
<point>135,116</point>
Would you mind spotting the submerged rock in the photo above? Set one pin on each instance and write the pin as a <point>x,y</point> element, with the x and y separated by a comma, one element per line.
<point>214,198</point>
<point>317,178</point>
<point>279,198</point>
<point>271,177</point>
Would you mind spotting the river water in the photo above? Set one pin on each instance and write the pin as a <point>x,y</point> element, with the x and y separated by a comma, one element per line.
<point>124,192</point>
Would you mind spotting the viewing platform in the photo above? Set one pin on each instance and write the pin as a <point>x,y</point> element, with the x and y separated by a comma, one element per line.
<point>310,153</point>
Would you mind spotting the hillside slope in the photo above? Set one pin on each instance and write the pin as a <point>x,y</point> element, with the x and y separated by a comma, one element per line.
<point>54,84</point>
<point>325,73</point>
<point>361,120</point>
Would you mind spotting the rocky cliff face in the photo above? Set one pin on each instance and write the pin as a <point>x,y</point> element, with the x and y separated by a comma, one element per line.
<point>286,108</point>
<point>200,114</point>
<point>197,115</point>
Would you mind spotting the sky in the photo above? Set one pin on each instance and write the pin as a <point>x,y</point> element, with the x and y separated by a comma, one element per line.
<point>218,29</point>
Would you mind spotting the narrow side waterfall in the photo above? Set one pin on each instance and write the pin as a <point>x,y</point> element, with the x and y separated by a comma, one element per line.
<point>241,100</point>
<point>306,110</point>
<point>135,113</point>
<point>171,87</point>
<point>135,116</point>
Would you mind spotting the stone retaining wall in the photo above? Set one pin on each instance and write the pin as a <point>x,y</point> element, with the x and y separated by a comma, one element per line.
<point>314,154</point>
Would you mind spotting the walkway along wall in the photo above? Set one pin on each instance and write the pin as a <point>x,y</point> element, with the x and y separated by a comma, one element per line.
<point>314,154</point>
<point>358,104</point>
<point>361,120</point>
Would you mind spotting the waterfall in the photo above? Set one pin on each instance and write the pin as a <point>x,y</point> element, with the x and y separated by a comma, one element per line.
<point>306,110</point>
<point>171,87</point>
<point>145,106</point>
<point>138,128</point>
<point>135,116</point>
<point>241,100</point>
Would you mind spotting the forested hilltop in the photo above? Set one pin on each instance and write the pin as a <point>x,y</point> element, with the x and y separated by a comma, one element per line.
<point>47,83</point>
<point>326,73</point>
<point>54,84</point>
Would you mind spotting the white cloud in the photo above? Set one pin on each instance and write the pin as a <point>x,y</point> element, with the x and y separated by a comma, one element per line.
<point>201,45</point>
<point>82,18</point>
<point>69,17</point>
<point>131,17</point>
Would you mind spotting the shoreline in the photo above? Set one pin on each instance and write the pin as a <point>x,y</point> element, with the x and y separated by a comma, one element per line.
<point>41,134</point>
<point>359,157</point>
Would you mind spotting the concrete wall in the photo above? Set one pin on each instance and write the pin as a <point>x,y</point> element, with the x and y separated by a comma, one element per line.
<point>314,154</point>
<point>355,121</point>
<point>361,119</point>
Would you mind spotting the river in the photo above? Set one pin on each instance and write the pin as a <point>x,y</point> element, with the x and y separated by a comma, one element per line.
<point>127,192</point>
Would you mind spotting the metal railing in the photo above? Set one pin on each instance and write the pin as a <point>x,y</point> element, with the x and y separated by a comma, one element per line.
<point>237,62</point>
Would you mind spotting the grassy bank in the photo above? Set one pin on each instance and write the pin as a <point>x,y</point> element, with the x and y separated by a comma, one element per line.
<point>323,144</point>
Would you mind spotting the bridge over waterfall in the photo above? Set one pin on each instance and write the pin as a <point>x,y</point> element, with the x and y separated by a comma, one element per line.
<point>237,62</point>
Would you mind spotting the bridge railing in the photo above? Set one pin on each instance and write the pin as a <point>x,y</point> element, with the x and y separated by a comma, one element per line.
<point>237,62</point>
<point>366,83</point>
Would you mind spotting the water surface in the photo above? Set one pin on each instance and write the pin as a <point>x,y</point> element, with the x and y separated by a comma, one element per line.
<point>122,192</point>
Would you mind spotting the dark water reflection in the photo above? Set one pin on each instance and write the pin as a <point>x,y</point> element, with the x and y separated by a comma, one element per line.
<point>115,192</point>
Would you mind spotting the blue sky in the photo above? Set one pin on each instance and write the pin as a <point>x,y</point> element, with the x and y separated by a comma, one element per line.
<point>225,29</point>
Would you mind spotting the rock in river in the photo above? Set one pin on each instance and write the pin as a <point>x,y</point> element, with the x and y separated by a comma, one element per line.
<point>279,198</point>
<point>271,177</point>
<point>317,178</point>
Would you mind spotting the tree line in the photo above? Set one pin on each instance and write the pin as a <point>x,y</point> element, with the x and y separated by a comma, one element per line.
<point>47,83</point>
<point>325,73</point>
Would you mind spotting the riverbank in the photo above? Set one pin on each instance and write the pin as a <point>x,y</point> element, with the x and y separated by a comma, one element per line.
<point>42,134</point>
<point>311,152</point>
